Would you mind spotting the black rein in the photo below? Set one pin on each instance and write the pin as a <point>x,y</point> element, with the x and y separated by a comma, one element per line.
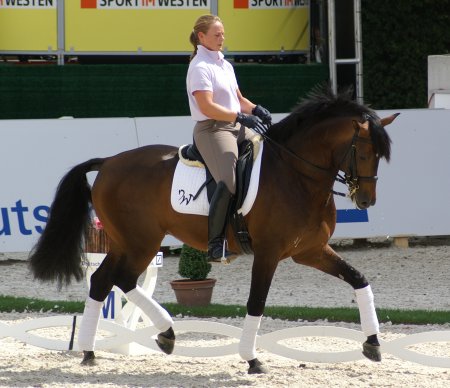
<point>351,180</point>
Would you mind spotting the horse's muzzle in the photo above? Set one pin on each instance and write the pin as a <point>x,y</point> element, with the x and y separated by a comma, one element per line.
<point>364,201</point>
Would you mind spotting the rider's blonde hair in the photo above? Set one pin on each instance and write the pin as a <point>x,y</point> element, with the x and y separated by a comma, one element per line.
<point>202,24</point>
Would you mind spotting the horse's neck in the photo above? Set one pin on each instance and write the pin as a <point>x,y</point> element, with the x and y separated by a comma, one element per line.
<point>301,169</point>
<point>315,155</point>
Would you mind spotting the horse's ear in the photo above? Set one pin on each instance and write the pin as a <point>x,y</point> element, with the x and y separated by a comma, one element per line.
<point>389,119</point>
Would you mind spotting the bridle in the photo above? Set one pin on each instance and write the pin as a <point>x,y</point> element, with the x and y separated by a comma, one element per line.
<point>351,178</point>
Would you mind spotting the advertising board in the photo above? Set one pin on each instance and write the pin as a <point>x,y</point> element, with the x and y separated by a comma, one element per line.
<point>155,27</point>
<point>265,25</point>
<point>28,25</point>
<point>131,26</point>
<point>412,190</point>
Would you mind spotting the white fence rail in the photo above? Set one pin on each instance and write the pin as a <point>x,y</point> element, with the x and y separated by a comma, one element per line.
<point>120,337</point>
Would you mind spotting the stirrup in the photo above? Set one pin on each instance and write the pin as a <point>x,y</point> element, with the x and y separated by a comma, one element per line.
<point>226,256</point>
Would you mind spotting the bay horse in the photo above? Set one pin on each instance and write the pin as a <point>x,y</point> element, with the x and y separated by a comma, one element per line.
<point>294,215</point>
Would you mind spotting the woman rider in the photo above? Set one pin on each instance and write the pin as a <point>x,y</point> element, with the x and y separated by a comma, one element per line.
<point>223,120</point>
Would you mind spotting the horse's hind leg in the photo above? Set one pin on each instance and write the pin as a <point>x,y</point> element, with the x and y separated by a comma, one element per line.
<point>114,271</point>
<point>331,263</point>
<point>126,276</point>
<point>100,287</point>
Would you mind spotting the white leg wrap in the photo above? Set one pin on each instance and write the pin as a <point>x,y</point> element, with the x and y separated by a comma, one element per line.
<point>367,313</point>
<point>89,324</point>
<point>160,317</point>
<point>247,344</point>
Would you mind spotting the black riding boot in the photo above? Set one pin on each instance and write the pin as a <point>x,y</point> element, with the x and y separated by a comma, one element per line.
<point>217,221</point>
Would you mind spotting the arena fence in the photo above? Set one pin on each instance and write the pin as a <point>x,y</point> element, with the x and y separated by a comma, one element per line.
<point>124,329</point>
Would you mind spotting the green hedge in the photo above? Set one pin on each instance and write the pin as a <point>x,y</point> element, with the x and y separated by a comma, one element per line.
<point>49,91</point>
<point>398,36</point>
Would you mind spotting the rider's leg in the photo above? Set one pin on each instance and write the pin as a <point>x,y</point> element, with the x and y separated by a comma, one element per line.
<point>217,222</point>
<point>217,143</point>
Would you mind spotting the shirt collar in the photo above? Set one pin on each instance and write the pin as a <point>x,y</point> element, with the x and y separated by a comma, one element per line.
<point>213,55</point>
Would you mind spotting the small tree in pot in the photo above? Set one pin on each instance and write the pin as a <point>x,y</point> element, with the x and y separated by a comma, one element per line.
<point>193,264</point>
<point>196,289</point>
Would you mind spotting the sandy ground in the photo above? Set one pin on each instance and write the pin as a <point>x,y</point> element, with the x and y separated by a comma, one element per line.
<point>416,277</point>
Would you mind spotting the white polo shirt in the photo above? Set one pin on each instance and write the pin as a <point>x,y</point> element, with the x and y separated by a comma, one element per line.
<point>210,71</point>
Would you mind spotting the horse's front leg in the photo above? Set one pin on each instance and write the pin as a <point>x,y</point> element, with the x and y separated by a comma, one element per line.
<point>331,263</point>
<point>262,274</point>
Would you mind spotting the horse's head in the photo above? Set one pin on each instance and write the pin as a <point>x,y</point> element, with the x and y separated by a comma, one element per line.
<point>369,144</point>
<point>319,136</point>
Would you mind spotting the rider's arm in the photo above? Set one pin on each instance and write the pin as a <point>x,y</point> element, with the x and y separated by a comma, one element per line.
<point>246,105</point>
<point>211,109</point>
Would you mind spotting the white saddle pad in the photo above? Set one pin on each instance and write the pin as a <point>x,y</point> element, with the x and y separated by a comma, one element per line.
<point>188,179</point>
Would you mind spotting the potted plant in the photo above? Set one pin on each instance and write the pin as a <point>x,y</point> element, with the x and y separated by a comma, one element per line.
<point>196,288</point>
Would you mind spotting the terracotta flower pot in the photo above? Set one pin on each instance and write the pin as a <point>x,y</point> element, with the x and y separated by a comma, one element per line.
<point>193,292</point>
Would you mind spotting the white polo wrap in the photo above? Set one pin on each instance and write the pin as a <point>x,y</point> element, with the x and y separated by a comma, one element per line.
<point>367,313</point>
<point>89,324</point>
<point>247,345</point>
<point>160,317</point>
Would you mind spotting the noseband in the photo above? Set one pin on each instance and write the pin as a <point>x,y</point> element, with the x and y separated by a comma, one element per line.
<point>352,179</point>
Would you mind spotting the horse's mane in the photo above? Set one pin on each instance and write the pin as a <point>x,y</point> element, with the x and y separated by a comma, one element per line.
<point>322,104</point>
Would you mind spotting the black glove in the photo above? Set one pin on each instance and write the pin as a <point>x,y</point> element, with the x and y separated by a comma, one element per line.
<point>248,121</point>
<point>263,114</point>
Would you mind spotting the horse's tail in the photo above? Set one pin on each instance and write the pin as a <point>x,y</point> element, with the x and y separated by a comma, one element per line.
<point>57,254</point>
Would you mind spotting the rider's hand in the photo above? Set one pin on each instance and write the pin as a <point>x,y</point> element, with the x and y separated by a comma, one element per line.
<point>263,114</point>
<point>249,121</point>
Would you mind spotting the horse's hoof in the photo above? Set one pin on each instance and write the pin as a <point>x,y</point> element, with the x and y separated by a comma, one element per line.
<point>89,358</point>
<point>166,341</point>
<point>257,367</point>
<point>372,352</point>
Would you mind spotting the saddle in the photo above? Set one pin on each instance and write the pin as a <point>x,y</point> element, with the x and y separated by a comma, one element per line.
<point>246,152</point>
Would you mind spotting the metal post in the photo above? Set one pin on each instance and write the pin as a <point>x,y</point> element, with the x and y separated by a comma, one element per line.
<point>358,51</point>
<point>357,61</point>
<point>60,31</point>
<point>214,9</point>
<point>332,44</point>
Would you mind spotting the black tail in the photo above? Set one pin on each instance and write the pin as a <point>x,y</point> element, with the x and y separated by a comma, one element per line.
<point>57,254</point>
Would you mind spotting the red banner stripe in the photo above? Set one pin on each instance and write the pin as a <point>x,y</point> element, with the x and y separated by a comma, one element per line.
<point>88,3</point>
<point>240,3</point>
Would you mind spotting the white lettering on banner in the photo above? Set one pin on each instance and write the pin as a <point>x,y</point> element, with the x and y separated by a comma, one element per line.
<point>271,4</point>
<point>152,4</point>
<point>28,3</point>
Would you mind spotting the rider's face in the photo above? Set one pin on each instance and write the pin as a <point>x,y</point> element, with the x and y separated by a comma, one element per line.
<point>213,39</point>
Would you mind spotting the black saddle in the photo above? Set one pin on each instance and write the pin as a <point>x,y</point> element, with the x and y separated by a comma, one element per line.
<point>244,167</point>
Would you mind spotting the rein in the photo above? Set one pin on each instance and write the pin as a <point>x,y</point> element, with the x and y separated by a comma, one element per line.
<point>261,130</point>
<point>350,180</point>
